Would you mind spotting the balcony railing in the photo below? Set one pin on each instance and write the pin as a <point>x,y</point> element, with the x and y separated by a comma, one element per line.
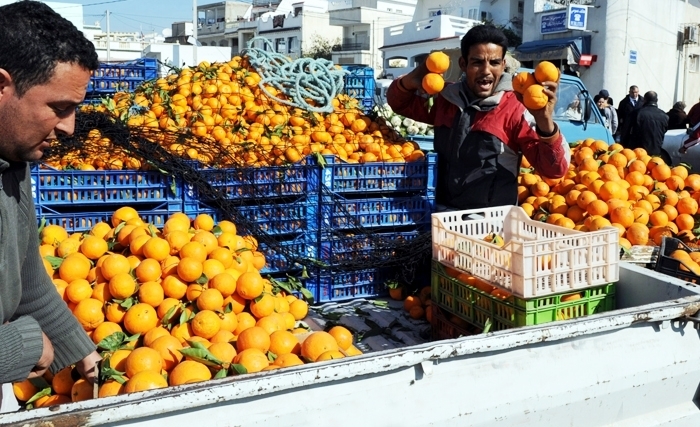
<point>266,2</point>
<point>352,44</point>
<point>441,26</point>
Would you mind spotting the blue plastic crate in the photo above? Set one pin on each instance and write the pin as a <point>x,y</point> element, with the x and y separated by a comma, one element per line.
<point>339,213</point>
<point>359,82</point>
<point>275,219</point>
<point>277,262</point>
<point>341,177</point>
<point>79,222</point>
<point>340,286</point>
<point>334,249</point>
<point>125,76</point>
<point>247,183</point>
<point>76,187</point>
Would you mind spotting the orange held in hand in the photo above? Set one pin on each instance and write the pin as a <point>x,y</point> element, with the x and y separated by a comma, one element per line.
<point>438,62</point>
<point>546,72</point>
<point>433,83</point>
<point>534,97</point>
<point>522,81</point>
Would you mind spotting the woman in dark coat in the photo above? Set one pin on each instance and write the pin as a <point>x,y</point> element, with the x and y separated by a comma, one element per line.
<point>677,118</point>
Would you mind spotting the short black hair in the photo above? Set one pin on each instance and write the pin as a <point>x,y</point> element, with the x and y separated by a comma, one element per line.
<point>483,34</point>
<point>35,39</point>
<point>651,97</point>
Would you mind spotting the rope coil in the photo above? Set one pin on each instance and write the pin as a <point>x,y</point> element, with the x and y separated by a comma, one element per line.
<point>300,79</point>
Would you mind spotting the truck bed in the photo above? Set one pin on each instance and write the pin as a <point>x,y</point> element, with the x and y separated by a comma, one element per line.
<point>637,366</point>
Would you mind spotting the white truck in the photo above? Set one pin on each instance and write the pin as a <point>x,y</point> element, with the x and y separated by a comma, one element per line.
<point>636,366</point>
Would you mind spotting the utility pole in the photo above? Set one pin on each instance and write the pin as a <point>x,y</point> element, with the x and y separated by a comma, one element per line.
<point>194,32</point>
<point>109,41</point>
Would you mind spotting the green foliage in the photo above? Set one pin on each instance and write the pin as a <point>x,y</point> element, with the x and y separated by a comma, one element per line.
<point>321,47</point>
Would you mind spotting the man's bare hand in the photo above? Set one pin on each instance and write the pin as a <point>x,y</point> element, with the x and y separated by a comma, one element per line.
<point>45,360</point>
<point>87,369</point>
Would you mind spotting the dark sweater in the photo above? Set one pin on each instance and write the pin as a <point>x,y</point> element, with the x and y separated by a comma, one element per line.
<point>28,298</point>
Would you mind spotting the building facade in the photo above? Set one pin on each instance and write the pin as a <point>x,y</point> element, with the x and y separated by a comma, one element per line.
<point>439,25</point>
<point>652,44</point>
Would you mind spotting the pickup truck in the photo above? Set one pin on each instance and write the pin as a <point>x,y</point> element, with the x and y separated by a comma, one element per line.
<point>636,366</point>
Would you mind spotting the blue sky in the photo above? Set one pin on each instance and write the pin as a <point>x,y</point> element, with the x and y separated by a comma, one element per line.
<point>137,15</point>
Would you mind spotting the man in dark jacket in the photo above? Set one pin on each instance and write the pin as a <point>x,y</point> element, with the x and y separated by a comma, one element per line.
<point>628,104</point>
<point>677,119</point>
<point>694,115</point>
<point>645,128</point>
<point>481,128</point>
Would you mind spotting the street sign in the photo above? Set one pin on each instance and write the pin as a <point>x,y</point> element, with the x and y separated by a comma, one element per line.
<point>633,56</point>
<point>578,17</point>
<point>554,22</point>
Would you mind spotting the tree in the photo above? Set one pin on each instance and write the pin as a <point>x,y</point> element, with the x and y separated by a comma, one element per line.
<point>321,48</point>
<point>514,40</point>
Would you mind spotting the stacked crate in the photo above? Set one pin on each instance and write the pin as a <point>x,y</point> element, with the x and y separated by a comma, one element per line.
<point>359,204</point>
<point>77,200</point>
<point>274,200</point>
<point>543,273</point>
<point>111,78</point>
<point>359,83</point>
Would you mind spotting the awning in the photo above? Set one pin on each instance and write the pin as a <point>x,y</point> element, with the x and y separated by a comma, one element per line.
<point>566,48</point>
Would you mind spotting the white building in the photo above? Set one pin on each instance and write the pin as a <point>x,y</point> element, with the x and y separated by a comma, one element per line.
<point>439,25</point>
<point>364,24</point>
<point>652,44</point>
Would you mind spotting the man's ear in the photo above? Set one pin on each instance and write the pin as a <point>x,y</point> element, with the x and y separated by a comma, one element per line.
<point>5,82</point>
<point>462,63</point>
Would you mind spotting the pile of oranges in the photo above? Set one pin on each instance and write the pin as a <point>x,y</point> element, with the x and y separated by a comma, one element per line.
<point>228,117</point>
<point>640,195</point>
<point>529,85</point>
<point>175,305</point>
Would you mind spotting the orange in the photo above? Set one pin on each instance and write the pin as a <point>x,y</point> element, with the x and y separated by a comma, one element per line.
<point>685,221</point>
<point>658,218</point>
<point>522,81</point>
<point>63,381</point>
<point>299,309</point>
<point>333,354</point>
<point>188,372</point>
<point>687,205</point>
<point>113,265</point>
<point>585,198</point>
<point>53,235</point>
<point>661,172</point>
<point>206,324</point>
<point>210,299</point>
<point>122,286</point>
<point>167,346</point>
<point>286,360</point>
<point>534,97</point>
<point>223,351</point>
<point>245,320</point>
<point>637,234</point>
<point>622,215</point>
<point>103,330</point>
<point>437,62</point>
<point>110,388</point>
<point>24,390</point>
<point>224,283</point>
<point>182,332</point>
<point>203,222</point>
<point>195,250</point>
<point>262,306</point>
<point>316,344</point>
<point>93,247</point>
<point>546,72</point>
<point>254,337</point>
<point>671,212</point>
<point>140,318</point>
<point>252,359</point>
<point>343,336</point>
<point>74,266</point>
<point>153,334</point>
<point>223,255</point>
<point>432,83</point>
<point>284,342</point>
<point>143,359</point>
<point>156,248</point>
<point>78,290</point>
<point>47,401</point>
<point>174,287</point>
<point>145,380</point>
<point>189,269</point>
<point>123,214</point>
<point>250,285</point>
<point>151,293</point>
<point>597,207</point>
<point>81,390</point>
<point>207,239</point>
<point>89,313</point>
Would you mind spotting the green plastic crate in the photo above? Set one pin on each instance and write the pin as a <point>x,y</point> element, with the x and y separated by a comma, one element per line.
<point>476,306</point>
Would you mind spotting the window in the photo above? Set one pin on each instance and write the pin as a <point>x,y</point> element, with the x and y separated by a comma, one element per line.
<point>280,45</point>
<point>473,13</point>
<point>292,44</point>
<point>399,11</point>
<point>694,63</point>
<point>521,7</point>
<point>297,11</point>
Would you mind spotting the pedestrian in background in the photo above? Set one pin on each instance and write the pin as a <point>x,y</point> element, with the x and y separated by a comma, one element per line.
<point>628,104</point>
<point>677,118</point>
<point>607,111</point>
<point>645,128</point>
<point>694,115</point>
<point>45,65</point>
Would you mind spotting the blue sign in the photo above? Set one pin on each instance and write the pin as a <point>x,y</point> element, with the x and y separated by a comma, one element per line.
<point>554,22</point>
<point>578,17</point>
<point>633,56</point>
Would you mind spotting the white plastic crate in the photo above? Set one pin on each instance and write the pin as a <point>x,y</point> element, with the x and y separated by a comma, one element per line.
<point>538,259</point>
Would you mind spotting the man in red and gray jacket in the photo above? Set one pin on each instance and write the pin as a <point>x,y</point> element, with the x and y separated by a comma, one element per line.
<point>481,128</point>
